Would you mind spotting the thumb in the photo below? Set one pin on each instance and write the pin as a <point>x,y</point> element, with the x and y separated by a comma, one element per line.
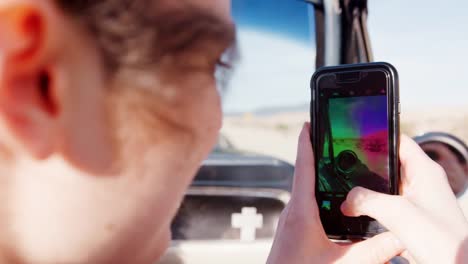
<point>378,249</point>
<point>304,174</point>
<point>401,217</point>
<point>383,207</point>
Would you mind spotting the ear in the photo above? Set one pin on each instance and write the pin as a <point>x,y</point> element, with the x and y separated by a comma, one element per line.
<point>28,105</point>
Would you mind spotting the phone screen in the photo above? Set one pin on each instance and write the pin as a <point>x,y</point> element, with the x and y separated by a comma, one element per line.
<point>353,141</point>
<point>356,152</point>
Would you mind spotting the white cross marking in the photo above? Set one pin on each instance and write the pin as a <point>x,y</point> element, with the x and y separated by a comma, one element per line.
<point>248,221</point>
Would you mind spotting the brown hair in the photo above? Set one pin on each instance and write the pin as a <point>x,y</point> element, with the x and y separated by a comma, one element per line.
<point>137,33</point>
<point>121,28</point>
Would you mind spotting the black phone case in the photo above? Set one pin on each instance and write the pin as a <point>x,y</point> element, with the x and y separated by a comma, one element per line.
<point>373,227</point>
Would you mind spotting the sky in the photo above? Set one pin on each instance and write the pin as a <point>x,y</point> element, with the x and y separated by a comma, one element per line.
<point>277,55</point>
<point>427,41</point>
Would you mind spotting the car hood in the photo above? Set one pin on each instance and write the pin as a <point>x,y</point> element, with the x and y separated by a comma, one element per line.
<point>240,169</point>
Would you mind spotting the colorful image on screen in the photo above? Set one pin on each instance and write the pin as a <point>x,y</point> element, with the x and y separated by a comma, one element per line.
<point>355,146</point>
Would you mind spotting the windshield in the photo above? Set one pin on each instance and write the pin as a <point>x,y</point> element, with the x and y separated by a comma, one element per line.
<point>268,93</point>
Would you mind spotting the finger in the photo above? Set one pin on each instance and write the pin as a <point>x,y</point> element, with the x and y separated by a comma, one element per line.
<point>409,148</point>
<point>302,210</point>
<point>383,207</point>
<point>406,221</point>
<point>412,159</point>
<point>422,176</point>
<point>379,249</point>
<point>304,174</point>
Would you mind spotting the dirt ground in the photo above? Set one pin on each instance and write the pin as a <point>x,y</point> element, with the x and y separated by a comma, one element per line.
<point>277,134</point>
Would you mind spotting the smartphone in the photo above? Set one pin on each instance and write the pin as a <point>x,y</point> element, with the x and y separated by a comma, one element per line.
<point>355,137</point>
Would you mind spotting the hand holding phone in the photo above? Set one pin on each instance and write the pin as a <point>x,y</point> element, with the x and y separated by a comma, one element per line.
<point>355,134</point>
<point>431,228</point>
<point>425,221</point>
<point>300,237</point>
<point>426,217</point>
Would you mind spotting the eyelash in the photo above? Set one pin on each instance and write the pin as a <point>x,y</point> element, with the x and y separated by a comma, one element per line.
<point>222,64</point>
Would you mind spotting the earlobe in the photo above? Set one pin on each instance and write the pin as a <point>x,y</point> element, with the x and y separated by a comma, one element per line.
<point>27,106</point>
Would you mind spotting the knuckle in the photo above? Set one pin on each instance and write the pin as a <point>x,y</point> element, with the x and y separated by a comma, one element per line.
<point>283,222</point>
<point>294,217</point>
<point>436,170</point>
<point>299,163</point>
<point>283,215</point>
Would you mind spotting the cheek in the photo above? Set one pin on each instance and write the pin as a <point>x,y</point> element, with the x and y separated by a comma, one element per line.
<point>198,109</point>
<point>210,122</point>
<point>213,114</point>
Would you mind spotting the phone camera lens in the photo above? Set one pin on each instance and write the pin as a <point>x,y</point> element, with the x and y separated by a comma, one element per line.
<point>347,161</point>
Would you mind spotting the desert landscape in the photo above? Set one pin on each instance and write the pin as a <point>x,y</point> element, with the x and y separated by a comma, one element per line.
<point>275,133</point>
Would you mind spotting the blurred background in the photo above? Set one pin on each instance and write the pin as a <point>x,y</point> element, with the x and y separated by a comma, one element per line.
<point>268,97</point>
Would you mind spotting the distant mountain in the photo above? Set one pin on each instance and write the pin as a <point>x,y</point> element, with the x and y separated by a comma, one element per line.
<point>272,110</point>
